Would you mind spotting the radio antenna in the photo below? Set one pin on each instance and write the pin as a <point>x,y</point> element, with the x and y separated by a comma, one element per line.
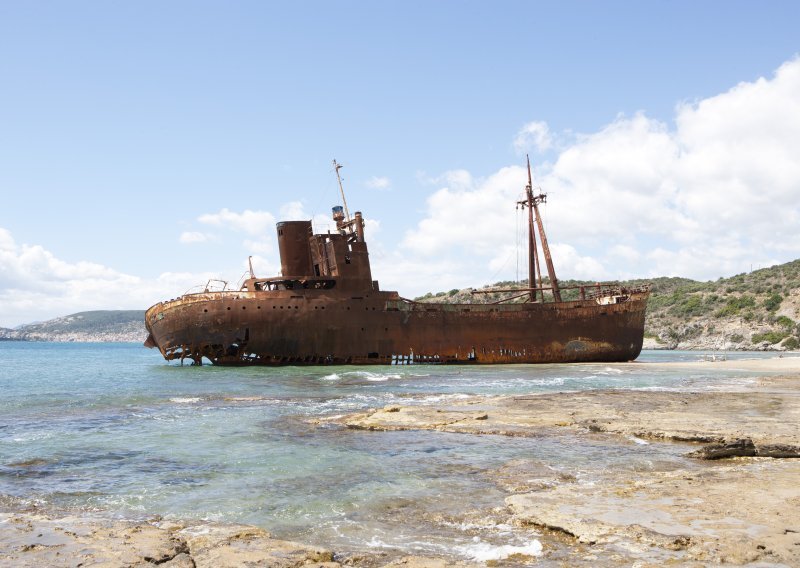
<point>337,167</point>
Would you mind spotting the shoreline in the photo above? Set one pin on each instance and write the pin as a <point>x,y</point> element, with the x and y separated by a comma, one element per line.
<point>733,500</point>
<point>695,503</point>
<point>32,538</point>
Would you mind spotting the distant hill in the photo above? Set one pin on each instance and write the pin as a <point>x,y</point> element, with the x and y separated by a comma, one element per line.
<point>99,325</point>
<point>756,310</point>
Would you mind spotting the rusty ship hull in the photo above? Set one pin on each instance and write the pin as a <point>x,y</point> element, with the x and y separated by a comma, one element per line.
<point>290,328</point>
<point>325,308</point>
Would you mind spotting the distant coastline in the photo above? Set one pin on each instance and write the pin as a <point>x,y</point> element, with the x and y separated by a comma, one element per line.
<point>755,311</point>
<point>99,326</point>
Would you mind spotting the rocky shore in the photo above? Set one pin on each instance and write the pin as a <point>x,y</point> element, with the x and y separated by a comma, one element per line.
<point>726,491</point>
<point>33,539</point>
<point>733,501</point>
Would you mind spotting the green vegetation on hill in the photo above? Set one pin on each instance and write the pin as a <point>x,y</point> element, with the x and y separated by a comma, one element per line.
<point>755,310</point>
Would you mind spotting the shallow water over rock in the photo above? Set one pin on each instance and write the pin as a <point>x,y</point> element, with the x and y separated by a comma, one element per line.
<point>113,428</point>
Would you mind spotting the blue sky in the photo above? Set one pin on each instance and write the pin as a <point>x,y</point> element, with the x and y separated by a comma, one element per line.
<point>122,125</point>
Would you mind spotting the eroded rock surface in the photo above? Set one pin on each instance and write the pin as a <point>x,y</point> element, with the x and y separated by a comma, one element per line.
<point>731,501</point>
<point>33,539</point>
<point>767,414</point>
<point>740,512</point>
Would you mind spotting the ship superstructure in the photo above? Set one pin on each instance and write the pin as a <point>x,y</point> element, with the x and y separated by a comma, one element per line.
<point>325,308</point>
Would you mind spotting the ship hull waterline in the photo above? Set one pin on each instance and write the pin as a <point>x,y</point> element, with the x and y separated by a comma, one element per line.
<point>317,328</point>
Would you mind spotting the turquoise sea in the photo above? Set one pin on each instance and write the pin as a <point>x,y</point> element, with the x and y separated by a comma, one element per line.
<point>114,428</point>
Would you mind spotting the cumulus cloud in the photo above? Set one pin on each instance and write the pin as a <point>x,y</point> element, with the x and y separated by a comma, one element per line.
<point>533,136</point>
<point>258,246</point>
<point>709,196</point>
<point>376,182</point>
<point>293,211</point>
<point>250,222</point>
<point>36,285</point>
<point>190,237</point>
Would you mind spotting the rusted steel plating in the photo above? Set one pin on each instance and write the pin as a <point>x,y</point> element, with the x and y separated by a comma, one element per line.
<point>326,309</point>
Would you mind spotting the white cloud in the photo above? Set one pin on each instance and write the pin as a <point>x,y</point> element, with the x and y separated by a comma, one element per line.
<point>293,211</point>
<point>376,182</point>
<point>190,237</point>
<point>36,285</point>
<point>533,136</point>
<point>251,222</point>
<point>708,197</point>
<point>6,240</point>
<point>263,246</point>
<point>264,267</point>
<point>710,194</point>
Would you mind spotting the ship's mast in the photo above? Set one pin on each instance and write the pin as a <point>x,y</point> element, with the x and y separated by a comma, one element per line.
<point>337,167</point>
<point>551,271</point>
<point>532,203</point>
<point>533,251</point>
<point>344,223</point>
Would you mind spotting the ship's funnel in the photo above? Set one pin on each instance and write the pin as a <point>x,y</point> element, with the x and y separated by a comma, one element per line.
<point>294,248</point>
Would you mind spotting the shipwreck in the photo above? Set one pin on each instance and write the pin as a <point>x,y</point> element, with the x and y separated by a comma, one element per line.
<point>326,309</point>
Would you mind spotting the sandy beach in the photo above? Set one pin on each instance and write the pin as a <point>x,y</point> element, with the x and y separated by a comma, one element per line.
<point>734,500</point>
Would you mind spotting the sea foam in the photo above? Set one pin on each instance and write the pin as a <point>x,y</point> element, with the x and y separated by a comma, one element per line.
<point>484,551</point>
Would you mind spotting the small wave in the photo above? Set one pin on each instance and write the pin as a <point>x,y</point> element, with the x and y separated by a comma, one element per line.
<point>639,441</point>
<point>331,377</point>
<point>375,377</point>
<point>254,398</point>
<point>33,437</point>
<point>553,381</point>
<point>484,552</point>
<point>185,399</point>
<point>443,397</point>
<point>376,542</point>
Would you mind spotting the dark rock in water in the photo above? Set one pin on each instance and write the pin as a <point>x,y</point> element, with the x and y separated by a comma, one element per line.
<point>778,451</point>
<point>735,448</point>
<point>745,447</point>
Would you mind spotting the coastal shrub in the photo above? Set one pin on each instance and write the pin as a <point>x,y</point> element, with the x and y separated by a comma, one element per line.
<point>689,306</point>
<point>727,311</point>
<point>791,343</point>
<point>773,302</point>
<point>736,338</point>
<point>771,337</point>
<point>453,292</point>
<point>785,322</point>
<point>735,305</point>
